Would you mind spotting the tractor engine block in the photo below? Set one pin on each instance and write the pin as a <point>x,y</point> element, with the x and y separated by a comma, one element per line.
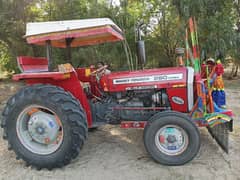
<point>134,105</point>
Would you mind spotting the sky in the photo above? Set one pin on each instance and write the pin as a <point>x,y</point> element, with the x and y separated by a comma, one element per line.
<point>114,2</point>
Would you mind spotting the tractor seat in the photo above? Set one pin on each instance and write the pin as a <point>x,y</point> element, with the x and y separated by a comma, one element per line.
<point>66,68</point>
<point>29,64</point>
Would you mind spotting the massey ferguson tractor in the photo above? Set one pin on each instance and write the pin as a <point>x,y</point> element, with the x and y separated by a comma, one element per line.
<point>46,123</point>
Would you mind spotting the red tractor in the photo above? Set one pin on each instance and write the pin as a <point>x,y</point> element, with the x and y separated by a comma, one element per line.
<point>46,123</point>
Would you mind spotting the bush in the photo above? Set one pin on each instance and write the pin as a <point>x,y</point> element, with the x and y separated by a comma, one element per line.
<point>7,62</point>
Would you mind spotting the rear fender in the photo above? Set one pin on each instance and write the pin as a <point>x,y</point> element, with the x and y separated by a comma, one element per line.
<point>70,83</point>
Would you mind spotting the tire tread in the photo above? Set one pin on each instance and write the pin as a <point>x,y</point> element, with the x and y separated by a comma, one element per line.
<point>78,126</point>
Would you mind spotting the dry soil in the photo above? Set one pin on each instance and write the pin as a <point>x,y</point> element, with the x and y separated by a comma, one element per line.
<point>112,153</point>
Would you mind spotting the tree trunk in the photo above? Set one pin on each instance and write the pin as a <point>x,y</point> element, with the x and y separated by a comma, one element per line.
<point>230,76</point>
<point>236,71</point>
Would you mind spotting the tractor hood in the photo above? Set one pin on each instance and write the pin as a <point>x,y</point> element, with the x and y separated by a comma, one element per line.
<point>146,79</point>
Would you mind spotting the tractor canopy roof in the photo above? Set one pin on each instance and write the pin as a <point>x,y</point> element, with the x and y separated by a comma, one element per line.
<point>79,32</point>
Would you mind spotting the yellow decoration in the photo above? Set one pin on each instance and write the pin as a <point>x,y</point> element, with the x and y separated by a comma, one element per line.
<point>65,68</point>
<point>218,83</point>
<point>87,72</point>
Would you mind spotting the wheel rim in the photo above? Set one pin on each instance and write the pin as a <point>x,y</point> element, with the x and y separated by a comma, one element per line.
<point>39,130</point>
<point>171,140</point>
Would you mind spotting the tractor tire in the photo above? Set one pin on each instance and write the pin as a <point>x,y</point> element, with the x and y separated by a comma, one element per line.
<point>171,138</point>
<point>45,126</point>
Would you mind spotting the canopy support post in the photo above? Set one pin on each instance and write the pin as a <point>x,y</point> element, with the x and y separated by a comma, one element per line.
<point>49,54</point>
<point>68,48</point>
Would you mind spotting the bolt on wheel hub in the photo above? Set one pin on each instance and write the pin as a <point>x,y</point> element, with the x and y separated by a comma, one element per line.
<point>40,130</point>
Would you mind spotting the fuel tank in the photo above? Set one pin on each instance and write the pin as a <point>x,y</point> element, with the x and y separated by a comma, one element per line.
<point>178,82</point>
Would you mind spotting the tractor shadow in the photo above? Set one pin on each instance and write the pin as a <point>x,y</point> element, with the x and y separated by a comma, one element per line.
<point>110,146</point>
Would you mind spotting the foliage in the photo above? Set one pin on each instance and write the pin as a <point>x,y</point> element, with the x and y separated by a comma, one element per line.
<point>215,22</point>
<point>5,57</point>
<point>162,22</point>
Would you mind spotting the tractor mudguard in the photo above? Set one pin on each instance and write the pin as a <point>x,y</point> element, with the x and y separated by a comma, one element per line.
<point>68,81</point>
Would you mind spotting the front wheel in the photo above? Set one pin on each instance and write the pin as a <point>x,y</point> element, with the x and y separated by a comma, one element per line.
<point>45,126</point>
<point>171,138</point>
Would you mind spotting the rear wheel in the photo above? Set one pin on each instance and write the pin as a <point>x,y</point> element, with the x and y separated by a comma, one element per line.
<point>45,126</point>
<point>171,138</point>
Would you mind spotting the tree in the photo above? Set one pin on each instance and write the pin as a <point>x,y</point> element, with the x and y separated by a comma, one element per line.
<point>163,28</point>
<point>215,22</point>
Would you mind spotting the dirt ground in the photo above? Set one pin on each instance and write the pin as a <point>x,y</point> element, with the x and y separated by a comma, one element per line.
<point>114,153</point>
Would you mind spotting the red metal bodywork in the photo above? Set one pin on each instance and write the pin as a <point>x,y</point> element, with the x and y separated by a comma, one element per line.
<point>155,79</point>
<point>81,37</point>
<point>108,80</point>
<point>57,76</point>
<point>68,81</point>
<point>133,124</point>
<point>32,64</point>
<point>110,83</point>
<point>35,70</point>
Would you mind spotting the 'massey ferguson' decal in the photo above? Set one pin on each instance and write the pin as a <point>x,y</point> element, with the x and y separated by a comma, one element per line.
<point>142,79</point>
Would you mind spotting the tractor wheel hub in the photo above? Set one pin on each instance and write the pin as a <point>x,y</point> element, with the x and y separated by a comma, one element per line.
<point>171,140</point>
<point>40,130</point>
<point>43,128</point>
